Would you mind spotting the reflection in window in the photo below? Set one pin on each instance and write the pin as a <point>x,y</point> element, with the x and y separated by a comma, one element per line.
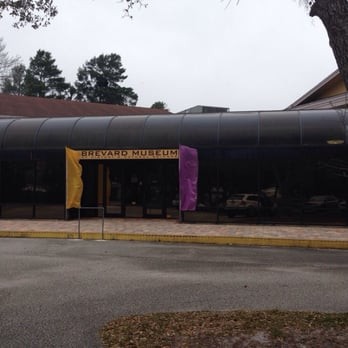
<point>17,189</point>
<point>33,189</point>
<point>50,189</point>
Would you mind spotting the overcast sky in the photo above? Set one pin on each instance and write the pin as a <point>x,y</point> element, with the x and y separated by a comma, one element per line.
<point>259,55</point>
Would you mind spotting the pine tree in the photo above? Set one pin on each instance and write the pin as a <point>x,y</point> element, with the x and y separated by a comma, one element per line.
<point>98,81</point>
<point>43,78</point>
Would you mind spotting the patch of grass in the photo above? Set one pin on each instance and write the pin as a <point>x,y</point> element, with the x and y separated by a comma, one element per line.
<point>225,329</point>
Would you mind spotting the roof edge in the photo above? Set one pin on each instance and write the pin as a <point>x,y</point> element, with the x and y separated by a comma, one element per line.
<point>314,89</point>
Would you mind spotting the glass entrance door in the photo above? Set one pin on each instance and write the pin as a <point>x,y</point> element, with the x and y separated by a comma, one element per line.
<point>114,196</point>
<point>135,189</point>
<point>154,190</point>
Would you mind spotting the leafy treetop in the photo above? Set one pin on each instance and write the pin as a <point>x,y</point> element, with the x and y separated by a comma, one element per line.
<point>43,78</point>
<point>98,81</point>
<point>159,105</point>
<point>34,12</point>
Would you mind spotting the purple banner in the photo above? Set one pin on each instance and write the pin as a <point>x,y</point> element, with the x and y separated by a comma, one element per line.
<point>188,177</point>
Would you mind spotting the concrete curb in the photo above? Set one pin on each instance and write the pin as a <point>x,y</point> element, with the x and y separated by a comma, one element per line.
<point>219,240</point>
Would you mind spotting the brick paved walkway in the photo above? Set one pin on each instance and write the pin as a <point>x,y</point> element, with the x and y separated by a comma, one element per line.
<point>173,227</point>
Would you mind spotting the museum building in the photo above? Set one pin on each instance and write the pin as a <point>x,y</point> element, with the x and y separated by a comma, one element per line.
<point>254,167</point>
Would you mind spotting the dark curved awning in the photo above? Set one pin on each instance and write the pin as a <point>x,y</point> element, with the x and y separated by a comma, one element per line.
<point>225,130</point>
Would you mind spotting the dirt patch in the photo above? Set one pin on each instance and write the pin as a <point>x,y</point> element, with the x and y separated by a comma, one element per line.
<point>228,329</point>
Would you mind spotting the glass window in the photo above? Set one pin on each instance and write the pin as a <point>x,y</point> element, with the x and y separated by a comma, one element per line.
<point>50,189</point>
<point>33,189</point>
<point>311,189</point>
<point>17,189</point>
<point>240,198</point>
<point>172,189</point>
<point>113,190</point>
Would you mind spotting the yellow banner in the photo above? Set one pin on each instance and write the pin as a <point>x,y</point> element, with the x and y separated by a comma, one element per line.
<point>129,154</point>
<point>74,184</point>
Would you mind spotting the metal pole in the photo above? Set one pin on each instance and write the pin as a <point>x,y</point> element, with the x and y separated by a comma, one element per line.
<point>103,223</point>
<point>79,217</point>
<point>218,198</point>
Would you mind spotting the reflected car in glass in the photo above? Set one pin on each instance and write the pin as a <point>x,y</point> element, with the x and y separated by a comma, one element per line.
<point>249,204</point>
<point>321,203</point>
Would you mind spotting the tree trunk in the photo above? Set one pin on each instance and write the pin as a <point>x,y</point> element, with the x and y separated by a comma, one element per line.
<point>334,15</point>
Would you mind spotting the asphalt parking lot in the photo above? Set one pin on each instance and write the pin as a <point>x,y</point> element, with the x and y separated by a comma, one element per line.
<point>58,293</point>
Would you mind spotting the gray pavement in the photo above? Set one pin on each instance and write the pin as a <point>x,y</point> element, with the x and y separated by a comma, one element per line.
<point>59,293</point>
<point>172,230</point>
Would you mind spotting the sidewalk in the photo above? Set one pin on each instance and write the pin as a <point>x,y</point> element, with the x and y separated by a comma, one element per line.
<point>173,231</point>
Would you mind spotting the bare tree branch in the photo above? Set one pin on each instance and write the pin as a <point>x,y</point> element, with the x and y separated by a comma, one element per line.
<point>130,6</point>
<point>6,62</point>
